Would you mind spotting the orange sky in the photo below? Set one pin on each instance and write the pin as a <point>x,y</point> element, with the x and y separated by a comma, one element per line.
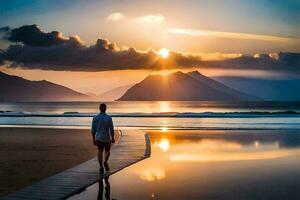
<point>212,29</point>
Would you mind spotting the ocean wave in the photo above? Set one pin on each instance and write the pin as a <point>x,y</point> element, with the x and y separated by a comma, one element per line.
<point>251,114</point>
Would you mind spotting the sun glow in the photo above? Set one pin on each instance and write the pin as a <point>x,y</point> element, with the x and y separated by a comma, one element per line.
<point>164,129</point>
<point>164,106</point>
<point>152,174</point>
<point>163,144</point>
<point>164,52</point>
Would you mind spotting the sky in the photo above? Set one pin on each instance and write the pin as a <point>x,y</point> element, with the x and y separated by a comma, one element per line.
<point>199,35</point>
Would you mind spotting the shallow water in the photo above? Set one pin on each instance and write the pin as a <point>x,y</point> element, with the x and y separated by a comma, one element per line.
<point>158,114</point>
<point>210,165</point>
<point>149,106</point>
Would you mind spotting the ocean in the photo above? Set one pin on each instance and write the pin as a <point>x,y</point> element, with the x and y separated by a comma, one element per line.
<point>161,115</point>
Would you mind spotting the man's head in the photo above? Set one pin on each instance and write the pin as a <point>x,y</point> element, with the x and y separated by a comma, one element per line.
<point>102,107</point>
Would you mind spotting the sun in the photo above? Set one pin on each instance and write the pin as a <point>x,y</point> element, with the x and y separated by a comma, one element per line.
<point>164,52</point>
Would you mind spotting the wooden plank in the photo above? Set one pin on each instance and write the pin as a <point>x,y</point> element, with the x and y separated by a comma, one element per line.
<point>133,146</point>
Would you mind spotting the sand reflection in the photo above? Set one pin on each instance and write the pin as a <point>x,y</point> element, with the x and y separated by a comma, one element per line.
<point>213,150</point>
<point>218,157</point>
<point>170,147</point>
<point>204,164</point>
<point>220,146</point>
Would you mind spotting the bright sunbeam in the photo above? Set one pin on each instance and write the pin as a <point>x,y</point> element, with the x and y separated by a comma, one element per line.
<point>164,129</point>
<point>164,52</point>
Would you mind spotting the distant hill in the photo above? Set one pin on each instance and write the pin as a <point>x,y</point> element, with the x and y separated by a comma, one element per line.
<point>221,87</point>
<point>271,90</point>
<point>114,93</point>
<point>14,88</point>
<point>179,86</point>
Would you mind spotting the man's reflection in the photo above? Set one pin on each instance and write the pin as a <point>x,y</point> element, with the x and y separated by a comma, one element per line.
<point>104,186</point>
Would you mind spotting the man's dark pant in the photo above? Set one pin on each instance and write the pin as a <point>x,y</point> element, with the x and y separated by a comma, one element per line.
<point>103,146</point>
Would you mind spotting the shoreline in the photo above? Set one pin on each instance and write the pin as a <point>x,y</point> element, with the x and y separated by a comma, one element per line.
<point>147,128</point>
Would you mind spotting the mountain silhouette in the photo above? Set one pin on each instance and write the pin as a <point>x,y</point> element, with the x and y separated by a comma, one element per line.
<point>14,88</point>
<point>180,86</point>
<point>114,93</point>
<point>267,89</point>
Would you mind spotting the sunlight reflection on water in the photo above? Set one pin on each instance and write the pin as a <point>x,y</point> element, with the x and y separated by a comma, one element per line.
<point>212,165</point>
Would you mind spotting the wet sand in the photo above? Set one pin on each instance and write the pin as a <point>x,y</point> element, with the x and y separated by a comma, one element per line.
<point>31,154</point>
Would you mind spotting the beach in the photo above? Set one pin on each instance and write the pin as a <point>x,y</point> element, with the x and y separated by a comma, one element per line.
<point>32,154</point>
<point>219,162</point>
<point>227,150</point>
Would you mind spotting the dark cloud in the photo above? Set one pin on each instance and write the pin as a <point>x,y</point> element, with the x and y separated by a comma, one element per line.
<point>100,57</point>
<point>31,35</point>
<point>35,49</point>
<point>288,62</point>
<point>53,51</point>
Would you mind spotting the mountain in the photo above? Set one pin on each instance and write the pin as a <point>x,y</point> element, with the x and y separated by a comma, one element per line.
<point>179,86</point>
<point>92,95</point>
<point>14,88</point>
<point>114,93</point>
<point>271,90</point>
<point>221,87</point>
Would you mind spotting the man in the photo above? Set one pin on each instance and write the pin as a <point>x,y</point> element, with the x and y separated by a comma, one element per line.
<point>103,136</point>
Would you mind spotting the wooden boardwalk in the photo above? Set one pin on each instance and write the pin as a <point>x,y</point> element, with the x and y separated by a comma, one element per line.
<point>132,147</point>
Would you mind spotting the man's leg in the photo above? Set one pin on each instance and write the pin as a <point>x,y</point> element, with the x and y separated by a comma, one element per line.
<point>100,156</point>
<point>107,154</point>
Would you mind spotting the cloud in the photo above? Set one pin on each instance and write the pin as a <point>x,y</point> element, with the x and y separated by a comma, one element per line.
<point>283,61</point>
<point>103,56</point>
<point>153,19</point>
<point>33,36</point>
<point>116,16</point>
<point>36,49</point>
<point>53,51</point>
<point>230,35</point>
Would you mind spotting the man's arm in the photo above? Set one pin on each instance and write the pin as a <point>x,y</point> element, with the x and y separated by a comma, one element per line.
<point>112,131</point>
<point>94,130</point>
